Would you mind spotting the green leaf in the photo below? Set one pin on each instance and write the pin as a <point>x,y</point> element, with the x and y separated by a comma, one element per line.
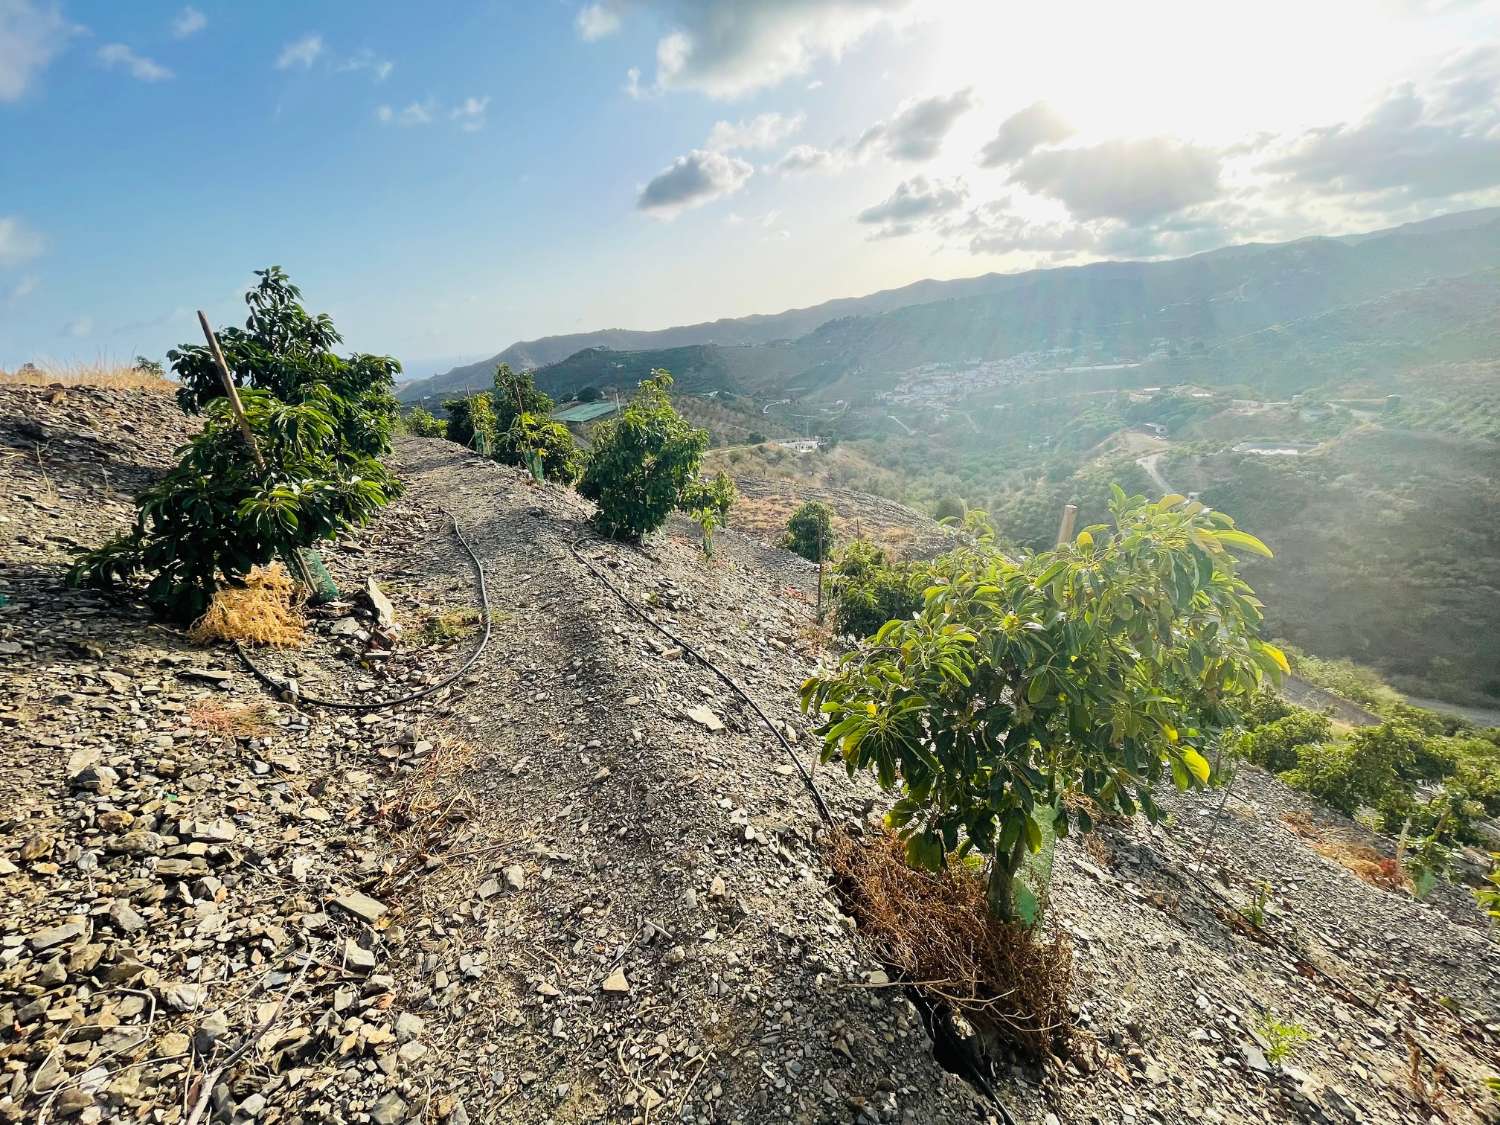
<point>1244,541</point>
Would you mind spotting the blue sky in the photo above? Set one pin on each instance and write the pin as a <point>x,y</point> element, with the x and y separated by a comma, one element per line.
<point>445,180</point>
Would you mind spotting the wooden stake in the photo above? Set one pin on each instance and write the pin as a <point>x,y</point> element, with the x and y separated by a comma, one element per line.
<point>233,392</point>
<point>1065,528</point>
<point>296,562</point>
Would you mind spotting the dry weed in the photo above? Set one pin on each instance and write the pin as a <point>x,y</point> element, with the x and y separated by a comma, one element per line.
<point>90,375</point>
<point>238,722</point>
<point>260,611</point>
<point>1361,859</point>
<point>935,929</point>
<point>422,814</point>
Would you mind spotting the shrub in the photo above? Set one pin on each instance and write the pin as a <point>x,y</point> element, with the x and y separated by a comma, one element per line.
<point>288,352</point>
<point>422,423</point>
<point>1096,668</point>
<point>589,394</point>
<point>641,462</point>
<point>708,502</point>
<point>868,590</point>
<point>149,367</point>
<point>1344,775</point>
<point>472,423</point>
<point>536,440</point>
<point>516,393</point>
<point>1344,678</point>
<point>809,531</point>
<point>755,437</point>
<point>1274,745</point>
<point>949,507</point>
<point>215,516</point>
<point>1489,897</point>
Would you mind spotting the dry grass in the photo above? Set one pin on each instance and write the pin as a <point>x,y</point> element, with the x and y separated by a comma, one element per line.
<point>249,721</point>
<point>89,375</point>
<point>422,818</point>
<point>935,929</point>
<point>1359,858</point>
<point>260,611</point>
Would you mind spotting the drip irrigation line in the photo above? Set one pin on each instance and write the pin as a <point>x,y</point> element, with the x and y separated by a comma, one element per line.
<point>285,688</point>
<point>714,668</point>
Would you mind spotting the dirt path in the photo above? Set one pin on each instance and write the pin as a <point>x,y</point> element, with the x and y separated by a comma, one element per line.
<point>673,943</point>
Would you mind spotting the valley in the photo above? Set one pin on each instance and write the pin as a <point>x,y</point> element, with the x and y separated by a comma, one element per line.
<point>1338,396</point>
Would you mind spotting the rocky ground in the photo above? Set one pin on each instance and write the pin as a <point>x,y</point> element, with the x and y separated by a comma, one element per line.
<point>583,883</point>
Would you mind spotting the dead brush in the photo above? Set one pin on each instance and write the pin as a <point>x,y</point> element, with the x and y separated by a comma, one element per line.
<point>249,721</point>
<point>424,812</point>
<point>1361,860</point>
<point>936,930</point>
<point>260,612</point>
<point>117,376</point>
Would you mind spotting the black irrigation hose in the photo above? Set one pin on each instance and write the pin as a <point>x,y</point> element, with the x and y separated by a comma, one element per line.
<point>714,668</point>
<point>281,687</point>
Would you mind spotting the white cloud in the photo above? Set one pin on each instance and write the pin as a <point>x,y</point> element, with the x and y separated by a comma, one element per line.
<point>913,201</point>
<point>18,242</point>
<point>301,52</point>
<point>597,21</point>
<point>366,59</point>
<point>117,56</point>
<point>1036,125</point>
<point>31,36</point>
<point>693,180</point>
<point>23,288</point>
<point>800,159</point>
<point>78,329</point>
<point>633,82</point>
<point>762,131</point>
<point>1417,143</point>
<point>416,113</point>
<point>917,131</point>
<point>729,48</point>
<point>470,114</point>
<point>1133,180</point>
<point>188,22</point>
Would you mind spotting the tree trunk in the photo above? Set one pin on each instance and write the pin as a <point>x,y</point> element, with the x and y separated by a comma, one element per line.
<point>1001,890</point>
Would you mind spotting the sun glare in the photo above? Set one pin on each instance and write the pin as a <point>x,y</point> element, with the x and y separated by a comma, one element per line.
<point>1204,72</point>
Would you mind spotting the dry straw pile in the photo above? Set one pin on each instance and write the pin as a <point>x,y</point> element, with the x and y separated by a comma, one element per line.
<point>260,612</point>
<point>936,931</point>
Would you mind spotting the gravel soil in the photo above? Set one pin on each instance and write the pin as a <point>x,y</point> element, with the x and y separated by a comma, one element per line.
<point>583,882</point>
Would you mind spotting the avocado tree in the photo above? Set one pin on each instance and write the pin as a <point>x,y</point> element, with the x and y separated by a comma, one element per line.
<point>1096,669</point>
<point>318,422</point>
<point>809,531</point>
<point>471,422</point>
<point>516,393</point>
<point>641,462</point>
<point>216,515</point>
<point>708,502</point>
<point>545,447</point>
<point>287,351</point>
<point>421,422</point>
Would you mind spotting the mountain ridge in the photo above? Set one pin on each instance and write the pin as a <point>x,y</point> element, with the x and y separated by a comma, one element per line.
<point>1066,295</point>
